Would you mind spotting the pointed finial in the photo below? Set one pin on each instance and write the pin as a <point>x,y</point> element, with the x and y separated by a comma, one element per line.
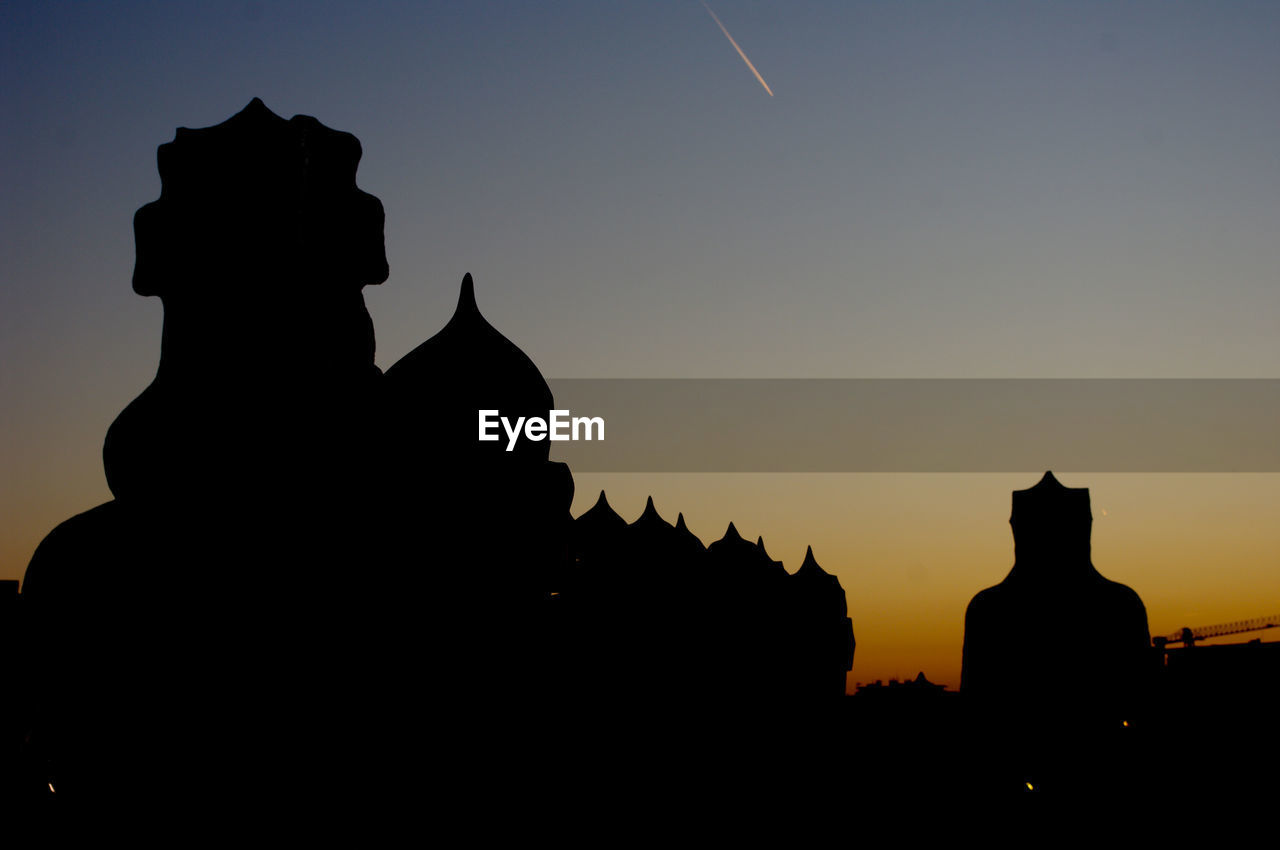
<point>1049,481</point>
<point>650,514</point>
<point>1050,498</point>
<point>467,297</point>
<point>601,515</point>
<point>810,562</point>
<point>683,528</point>
<point>731,533</point>
<point>256,110</point>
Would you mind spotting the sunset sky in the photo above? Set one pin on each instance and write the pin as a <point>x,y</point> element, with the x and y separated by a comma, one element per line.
<point>941,190</point>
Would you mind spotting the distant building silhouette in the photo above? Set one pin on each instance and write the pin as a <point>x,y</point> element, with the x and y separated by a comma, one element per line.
<point>1214,714</point>
<point>910,691</point>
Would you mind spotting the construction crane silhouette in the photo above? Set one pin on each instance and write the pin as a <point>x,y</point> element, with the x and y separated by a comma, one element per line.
<point>1189,637</point>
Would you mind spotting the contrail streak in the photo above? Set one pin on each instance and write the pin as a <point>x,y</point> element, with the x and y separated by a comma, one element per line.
<point>737,48</point>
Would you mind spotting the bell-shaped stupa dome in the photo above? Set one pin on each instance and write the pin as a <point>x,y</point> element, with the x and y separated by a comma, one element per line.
<point>732,549</point>
<point>467,367</point>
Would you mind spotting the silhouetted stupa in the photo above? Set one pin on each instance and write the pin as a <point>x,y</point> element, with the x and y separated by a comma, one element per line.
<point>468,366</point>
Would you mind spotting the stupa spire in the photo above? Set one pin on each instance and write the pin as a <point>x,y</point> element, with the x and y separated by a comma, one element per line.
<point>683,528</point>
<point>650,515</point>
<point>1048,480</point>
<point>467,297</point>
<point>602,514</point>
<point>810,562</point>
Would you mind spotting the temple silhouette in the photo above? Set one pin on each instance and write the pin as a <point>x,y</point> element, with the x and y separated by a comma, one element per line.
<point>314,590</point>
<point>312,570</point>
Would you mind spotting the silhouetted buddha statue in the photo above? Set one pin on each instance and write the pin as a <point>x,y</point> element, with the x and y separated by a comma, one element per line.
<point>258,247</point>
<point>201,619</point>
<point>1055,649</point>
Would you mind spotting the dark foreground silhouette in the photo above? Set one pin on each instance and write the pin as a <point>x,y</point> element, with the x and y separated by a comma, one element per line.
<point>316,590</point>
<point>317,596</point>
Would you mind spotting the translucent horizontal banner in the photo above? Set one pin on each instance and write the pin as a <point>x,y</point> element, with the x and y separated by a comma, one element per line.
<point>924,425</point>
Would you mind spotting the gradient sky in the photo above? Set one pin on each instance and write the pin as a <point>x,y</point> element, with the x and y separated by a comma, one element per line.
<point>1075,189</point>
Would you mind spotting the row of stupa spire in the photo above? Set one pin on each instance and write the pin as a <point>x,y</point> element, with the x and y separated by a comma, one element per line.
<point>601,518</point>
<point>728,616</point>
